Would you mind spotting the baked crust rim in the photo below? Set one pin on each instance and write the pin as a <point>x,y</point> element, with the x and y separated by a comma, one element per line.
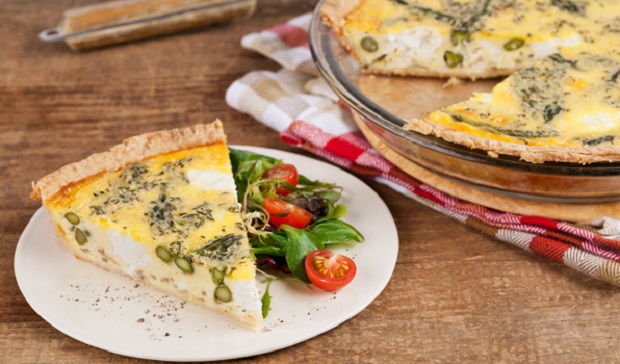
<point>531,154</point>
<point>131,150</point>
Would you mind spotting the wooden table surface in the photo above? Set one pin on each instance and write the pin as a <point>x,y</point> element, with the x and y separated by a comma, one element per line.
<point>455,295</point>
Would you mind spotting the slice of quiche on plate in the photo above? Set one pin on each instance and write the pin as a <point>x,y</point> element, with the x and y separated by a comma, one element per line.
<point>467,38</point>
<point>161,208</point>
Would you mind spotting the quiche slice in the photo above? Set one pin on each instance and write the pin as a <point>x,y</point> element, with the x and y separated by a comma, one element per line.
<point>466,38</point>
<point>161,208</point>
<point>565,108</point>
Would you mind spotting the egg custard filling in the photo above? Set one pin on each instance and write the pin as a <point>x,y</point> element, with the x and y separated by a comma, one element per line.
<point>161,209</point>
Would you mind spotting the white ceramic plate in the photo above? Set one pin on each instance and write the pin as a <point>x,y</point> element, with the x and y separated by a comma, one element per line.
<point>116,314</point>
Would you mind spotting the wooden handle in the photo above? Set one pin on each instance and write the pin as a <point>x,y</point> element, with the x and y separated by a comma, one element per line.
<point>124,21</point>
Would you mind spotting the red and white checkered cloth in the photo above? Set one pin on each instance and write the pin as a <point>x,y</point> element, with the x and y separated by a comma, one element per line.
<point>307,114</point>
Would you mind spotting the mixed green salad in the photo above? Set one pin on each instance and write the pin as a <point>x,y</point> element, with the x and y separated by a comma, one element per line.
<point>292,221</point>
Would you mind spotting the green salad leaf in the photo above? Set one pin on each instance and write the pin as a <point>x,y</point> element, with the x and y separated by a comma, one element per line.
<point>273,244</point>
<point>266,299</point>
<point>333,231</point>
<point>299,244</point>
<point>248,167</point>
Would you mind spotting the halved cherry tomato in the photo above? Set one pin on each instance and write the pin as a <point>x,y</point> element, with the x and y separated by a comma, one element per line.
<point>329,271</point>
<point>284,213</point>
<point>285,172</point>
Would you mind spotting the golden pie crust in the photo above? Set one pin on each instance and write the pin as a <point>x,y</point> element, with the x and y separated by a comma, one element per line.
<point>532,154</point>
<point>133,149</point>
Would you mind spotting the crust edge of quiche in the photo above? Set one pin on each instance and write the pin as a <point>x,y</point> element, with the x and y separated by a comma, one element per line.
<point>531,154</point>
<point>334,11</point>
<point>131,150</point>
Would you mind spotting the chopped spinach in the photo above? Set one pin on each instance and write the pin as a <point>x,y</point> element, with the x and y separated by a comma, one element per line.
<point>550,111</point>
<point>220,248</point>
<point>599,140</point>
<point>568,5</point>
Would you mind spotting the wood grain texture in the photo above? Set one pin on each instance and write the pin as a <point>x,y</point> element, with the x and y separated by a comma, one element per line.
<point>456,295</point>
<point>109,23</point>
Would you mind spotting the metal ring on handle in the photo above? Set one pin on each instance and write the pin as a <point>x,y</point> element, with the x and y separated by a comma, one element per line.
<point>51,35</point>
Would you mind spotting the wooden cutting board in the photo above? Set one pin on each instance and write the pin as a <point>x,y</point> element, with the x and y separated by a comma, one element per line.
<point>576,212</point>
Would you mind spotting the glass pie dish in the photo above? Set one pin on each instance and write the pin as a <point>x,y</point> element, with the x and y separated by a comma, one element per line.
<point>383,104</point>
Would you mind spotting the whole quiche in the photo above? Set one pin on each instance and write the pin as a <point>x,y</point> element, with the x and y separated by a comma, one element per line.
<point>560,101</point>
